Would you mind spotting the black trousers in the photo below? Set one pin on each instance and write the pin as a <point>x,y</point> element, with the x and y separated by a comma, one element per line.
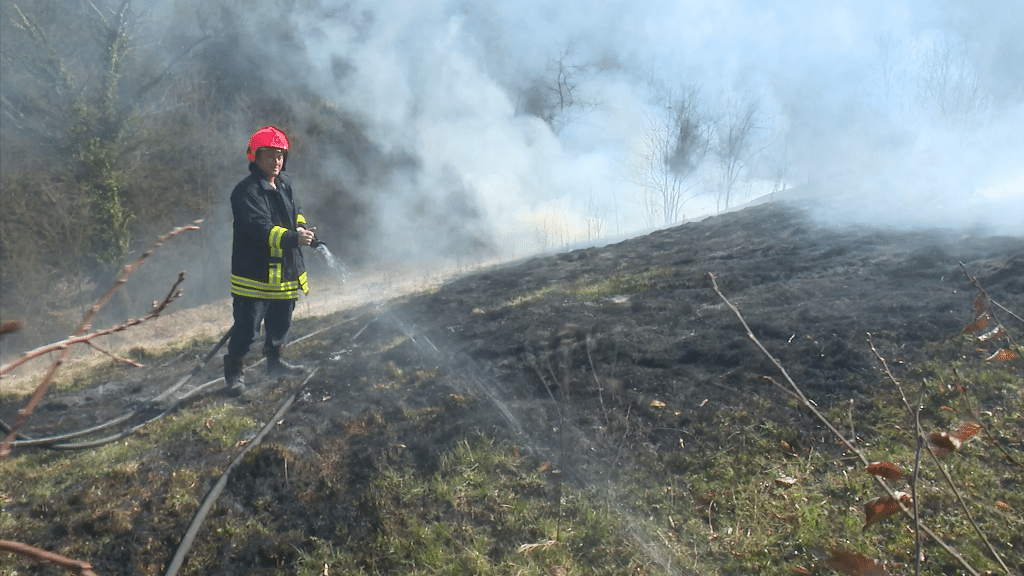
<point>250,313</point>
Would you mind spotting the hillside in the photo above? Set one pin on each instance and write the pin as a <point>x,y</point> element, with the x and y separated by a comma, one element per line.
<point>597,411</point>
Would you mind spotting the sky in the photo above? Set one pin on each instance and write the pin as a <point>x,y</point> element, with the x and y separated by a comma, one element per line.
<point>905,113</point>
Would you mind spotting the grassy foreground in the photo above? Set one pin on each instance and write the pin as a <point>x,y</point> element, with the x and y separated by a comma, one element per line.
<point>758,493</point>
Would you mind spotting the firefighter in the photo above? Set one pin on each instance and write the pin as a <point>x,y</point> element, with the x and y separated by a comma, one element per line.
<point>267,270</point>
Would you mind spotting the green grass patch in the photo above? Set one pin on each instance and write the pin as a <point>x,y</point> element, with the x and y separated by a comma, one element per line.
<point>485,510</point>
<point>589,288</point>
<point>92,495</point>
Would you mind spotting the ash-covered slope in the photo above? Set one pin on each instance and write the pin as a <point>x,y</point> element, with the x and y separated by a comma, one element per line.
<point>639,320</point>
<point>622,352</point>
<point>810,293</point>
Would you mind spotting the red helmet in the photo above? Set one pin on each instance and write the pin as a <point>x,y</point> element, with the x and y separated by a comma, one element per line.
<point>268,136</point>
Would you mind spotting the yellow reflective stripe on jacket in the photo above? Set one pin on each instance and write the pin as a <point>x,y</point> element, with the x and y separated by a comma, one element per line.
<point>258,295</point>
<point>244,282</point>
<point>274,241</point>
<point>255,289</point>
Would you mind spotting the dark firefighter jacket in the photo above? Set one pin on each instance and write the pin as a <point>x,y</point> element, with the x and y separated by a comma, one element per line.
<point>266,262</point>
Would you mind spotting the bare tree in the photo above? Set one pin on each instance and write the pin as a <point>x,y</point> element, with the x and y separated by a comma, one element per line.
<point>732,145</point>
<point>677,144</point>
<point>553,93</point>
<point>949,82</point>
<point>780,171</point>
<point>892,70</point>
<point>596,217</point>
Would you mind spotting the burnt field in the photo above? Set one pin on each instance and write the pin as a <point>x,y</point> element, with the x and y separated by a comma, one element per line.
<point>604,374</point>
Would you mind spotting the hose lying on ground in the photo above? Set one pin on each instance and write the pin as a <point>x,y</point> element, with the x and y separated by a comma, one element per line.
<point>52,441</point>
<point>211,497</point>
<point>58,442</point>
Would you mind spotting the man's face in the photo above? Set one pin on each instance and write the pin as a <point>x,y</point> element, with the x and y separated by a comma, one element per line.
<point>270,160</point>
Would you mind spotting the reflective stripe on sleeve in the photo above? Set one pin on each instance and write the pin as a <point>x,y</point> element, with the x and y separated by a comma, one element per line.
<point>274,241</point>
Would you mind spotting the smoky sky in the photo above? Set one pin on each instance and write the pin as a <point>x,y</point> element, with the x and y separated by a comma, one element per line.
<point>895,113</point>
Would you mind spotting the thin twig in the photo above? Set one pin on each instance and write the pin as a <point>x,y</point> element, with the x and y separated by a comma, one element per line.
<point>919,444</point>
<point>40,555</point>
<point>977,418</point>
<point>915,412</point>
<point>113,356</point>
<point>87,338</point>
<point>798,393</point>
<point>989,298</point>
<point>47,382</point>
<point>600,388</point>
<point>967,512</point>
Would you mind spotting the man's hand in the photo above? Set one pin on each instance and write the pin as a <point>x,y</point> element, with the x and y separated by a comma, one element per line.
<point>305,236</point>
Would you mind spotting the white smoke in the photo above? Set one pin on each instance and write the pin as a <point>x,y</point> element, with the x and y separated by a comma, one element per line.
<point>897,113</point>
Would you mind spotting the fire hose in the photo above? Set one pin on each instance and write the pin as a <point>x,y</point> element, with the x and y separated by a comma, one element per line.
<point>58,442</point>
<point>53,442</point>
<point>211,497</point>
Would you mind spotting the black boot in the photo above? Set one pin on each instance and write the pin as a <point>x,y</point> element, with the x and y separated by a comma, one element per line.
<point>277,368</point>
<point>234,378</point>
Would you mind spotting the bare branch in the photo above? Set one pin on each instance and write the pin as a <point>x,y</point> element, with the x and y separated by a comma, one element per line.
<point>113,356</point>
<point>44,386</point>
<point>40,555</point>
<point>798,393</point>
<point>977,285</point>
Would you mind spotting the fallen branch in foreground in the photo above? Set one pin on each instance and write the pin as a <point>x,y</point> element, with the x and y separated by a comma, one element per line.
<point>158,309</point>
<point>38,554</point>
<point>796,392</point>
<point>44,386</point>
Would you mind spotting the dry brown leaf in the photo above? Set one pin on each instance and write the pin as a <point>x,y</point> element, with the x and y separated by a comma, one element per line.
<point>877,509</point>
<point>544,467</point>
<point>943,444</point>
<point>798,569</point>
<point>886,470</point>
<point>966,431</point>
<point>980,305</point>
<point>979,323</point>
<point>657,404</point>
<point>854,563</point>
<point>1002,355</point>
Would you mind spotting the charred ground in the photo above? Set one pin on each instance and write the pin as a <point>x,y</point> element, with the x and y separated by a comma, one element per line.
<point>585,367</point>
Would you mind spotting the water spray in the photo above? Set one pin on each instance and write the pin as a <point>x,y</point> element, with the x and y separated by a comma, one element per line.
<point>332,261</point>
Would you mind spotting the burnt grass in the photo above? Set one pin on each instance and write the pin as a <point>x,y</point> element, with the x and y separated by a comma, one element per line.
<point>599,360</point>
